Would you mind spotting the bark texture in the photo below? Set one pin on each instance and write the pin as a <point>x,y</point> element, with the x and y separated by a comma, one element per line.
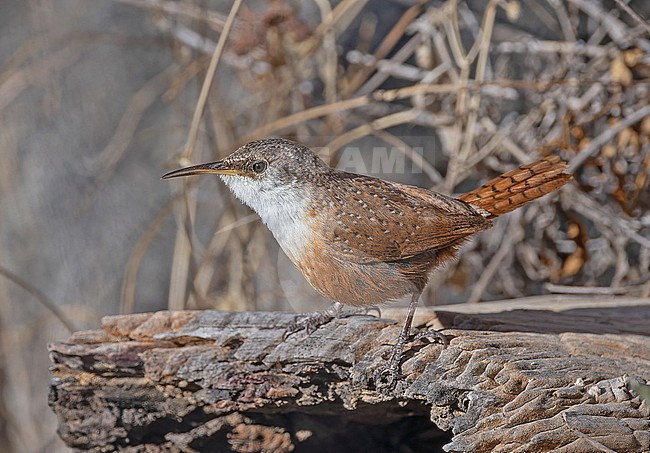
<point>537,374</point>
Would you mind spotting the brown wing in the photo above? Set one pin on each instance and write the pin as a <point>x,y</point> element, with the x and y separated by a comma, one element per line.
<point>377,220</point>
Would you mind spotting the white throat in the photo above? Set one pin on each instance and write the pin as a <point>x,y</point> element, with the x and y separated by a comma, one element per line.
<point>282,209</point>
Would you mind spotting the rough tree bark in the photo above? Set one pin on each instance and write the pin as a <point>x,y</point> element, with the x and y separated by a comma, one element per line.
<point>558,376</point>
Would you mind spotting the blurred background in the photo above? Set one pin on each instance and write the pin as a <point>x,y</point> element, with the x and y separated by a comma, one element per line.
<point>97,100</point>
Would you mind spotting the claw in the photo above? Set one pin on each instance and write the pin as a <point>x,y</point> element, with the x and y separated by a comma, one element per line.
<point>390,373</point>
<point>431,333</point>
<point>387,378</point>
<point>309,323</point>
<point>313,321</point>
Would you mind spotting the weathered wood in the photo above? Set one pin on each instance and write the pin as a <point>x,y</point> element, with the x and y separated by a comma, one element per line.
<point>554,377</point>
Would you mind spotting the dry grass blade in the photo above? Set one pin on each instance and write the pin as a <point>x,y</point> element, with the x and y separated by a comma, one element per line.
<point>209,77</point>
<point>40,297</point>
<point>215,20</point>
<point>127,300</point>
<point>417,159</point>
<point>182,251</point>
<point>633,14</point>
<point>348,104</point>
<point>19,80</point>
<point>342,14</point>
<point>306,115</point>
<point>375,81</point>
<point>105,163</point>
<point>470,105</point>
<point>513,234</point>
<point>384,122</point>
<point>182,245</point>
<point>604,217</point>
<point>387,44</point>
<point>606,136</point>
<point>219,240</point>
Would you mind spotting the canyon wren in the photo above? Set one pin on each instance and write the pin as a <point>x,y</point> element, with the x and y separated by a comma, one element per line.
<point>362,241</point>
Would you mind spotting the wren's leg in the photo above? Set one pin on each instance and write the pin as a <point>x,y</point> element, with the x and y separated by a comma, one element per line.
<point>391,370</point>
<point>313,321</point>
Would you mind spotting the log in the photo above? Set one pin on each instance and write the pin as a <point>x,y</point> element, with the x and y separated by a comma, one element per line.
<point>537,374</point>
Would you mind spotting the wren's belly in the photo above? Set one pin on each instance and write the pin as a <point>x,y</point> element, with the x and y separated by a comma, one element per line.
<point>355,284</point>
<point>346,282</point>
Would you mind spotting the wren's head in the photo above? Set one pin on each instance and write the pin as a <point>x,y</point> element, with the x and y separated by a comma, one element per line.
<point>271,176</point>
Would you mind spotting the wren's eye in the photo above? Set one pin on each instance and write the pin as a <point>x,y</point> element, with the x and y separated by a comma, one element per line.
<point>259,167</point>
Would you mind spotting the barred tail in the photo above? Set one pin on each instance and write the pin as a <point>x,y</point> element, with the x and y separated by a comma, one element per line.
<point>515,188</point>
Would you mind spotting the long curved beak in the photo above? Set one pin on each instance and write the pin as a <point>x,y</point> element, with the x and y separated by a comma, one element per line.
<point>214,168</point>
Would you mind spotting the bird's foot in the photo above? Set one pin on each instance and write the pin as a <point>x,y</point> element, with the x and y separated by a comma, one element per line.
<point>389,374</point>
<point>313,321</point>
<point>431,334</point>
<point>309,323</point>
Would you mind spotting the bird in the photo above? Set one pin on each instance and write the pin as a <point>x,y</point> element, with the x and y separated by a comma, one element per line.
<point>362,241</point>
